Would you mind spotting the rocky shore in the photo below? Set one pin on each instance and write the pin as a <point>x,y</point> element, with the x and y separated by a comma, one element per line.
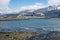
<point>52,35</point>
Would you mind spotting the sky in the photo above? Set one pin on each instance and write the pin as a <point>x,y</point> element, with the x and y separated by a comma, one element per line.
<point>19,3</point>
<point>11,6</point>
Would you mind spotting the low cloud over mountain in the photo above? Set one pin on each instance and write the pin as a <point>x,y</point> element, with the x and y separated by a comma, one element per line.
<point>53,2</point>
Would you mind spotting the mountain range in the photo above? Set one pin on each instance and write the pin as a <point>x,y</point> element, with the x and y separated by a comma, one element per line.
<point>50,11</point>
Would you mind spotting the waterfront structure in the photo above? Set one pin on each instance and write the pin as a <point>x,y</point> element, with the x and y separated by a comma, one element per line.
<point>34,14</point>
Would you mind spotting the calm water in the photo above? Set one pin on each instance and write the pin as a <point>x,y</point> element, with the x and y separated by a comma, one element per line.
<point>31,25</point>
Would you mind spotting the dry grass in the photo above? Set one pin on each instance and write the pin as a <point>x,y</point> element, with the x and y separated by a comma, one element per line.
<point>16,35</point>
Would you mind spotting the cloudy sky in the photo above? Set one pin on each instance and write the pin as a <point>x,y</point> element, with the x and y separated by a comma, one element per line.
<point>10,6</point>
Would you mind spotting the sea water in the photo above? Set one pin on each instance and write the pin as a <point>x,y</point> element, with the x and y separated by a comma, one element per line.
<point>31,25</point>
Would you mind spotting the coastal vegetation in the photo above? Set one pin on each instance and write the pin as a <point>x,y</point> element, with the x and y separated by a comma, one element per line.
<point>23,35</point>
<point>17,35</point>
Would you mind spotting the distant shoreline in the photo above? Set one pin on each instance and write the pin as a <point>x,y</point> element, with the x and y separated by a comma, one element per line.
<point>22,18</point>
<point>8,19</point>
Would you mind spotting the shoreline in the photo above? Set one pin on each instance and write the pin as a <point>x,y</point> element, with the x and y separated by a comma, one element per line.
<point>10,19</point>
<point>23,35</point>
<point>17,35</point>
<point>22,18</point>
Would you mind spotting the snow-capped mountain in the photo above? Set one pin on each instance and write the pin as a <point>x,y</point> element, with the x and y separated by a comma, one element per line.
<point>48,11</point>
